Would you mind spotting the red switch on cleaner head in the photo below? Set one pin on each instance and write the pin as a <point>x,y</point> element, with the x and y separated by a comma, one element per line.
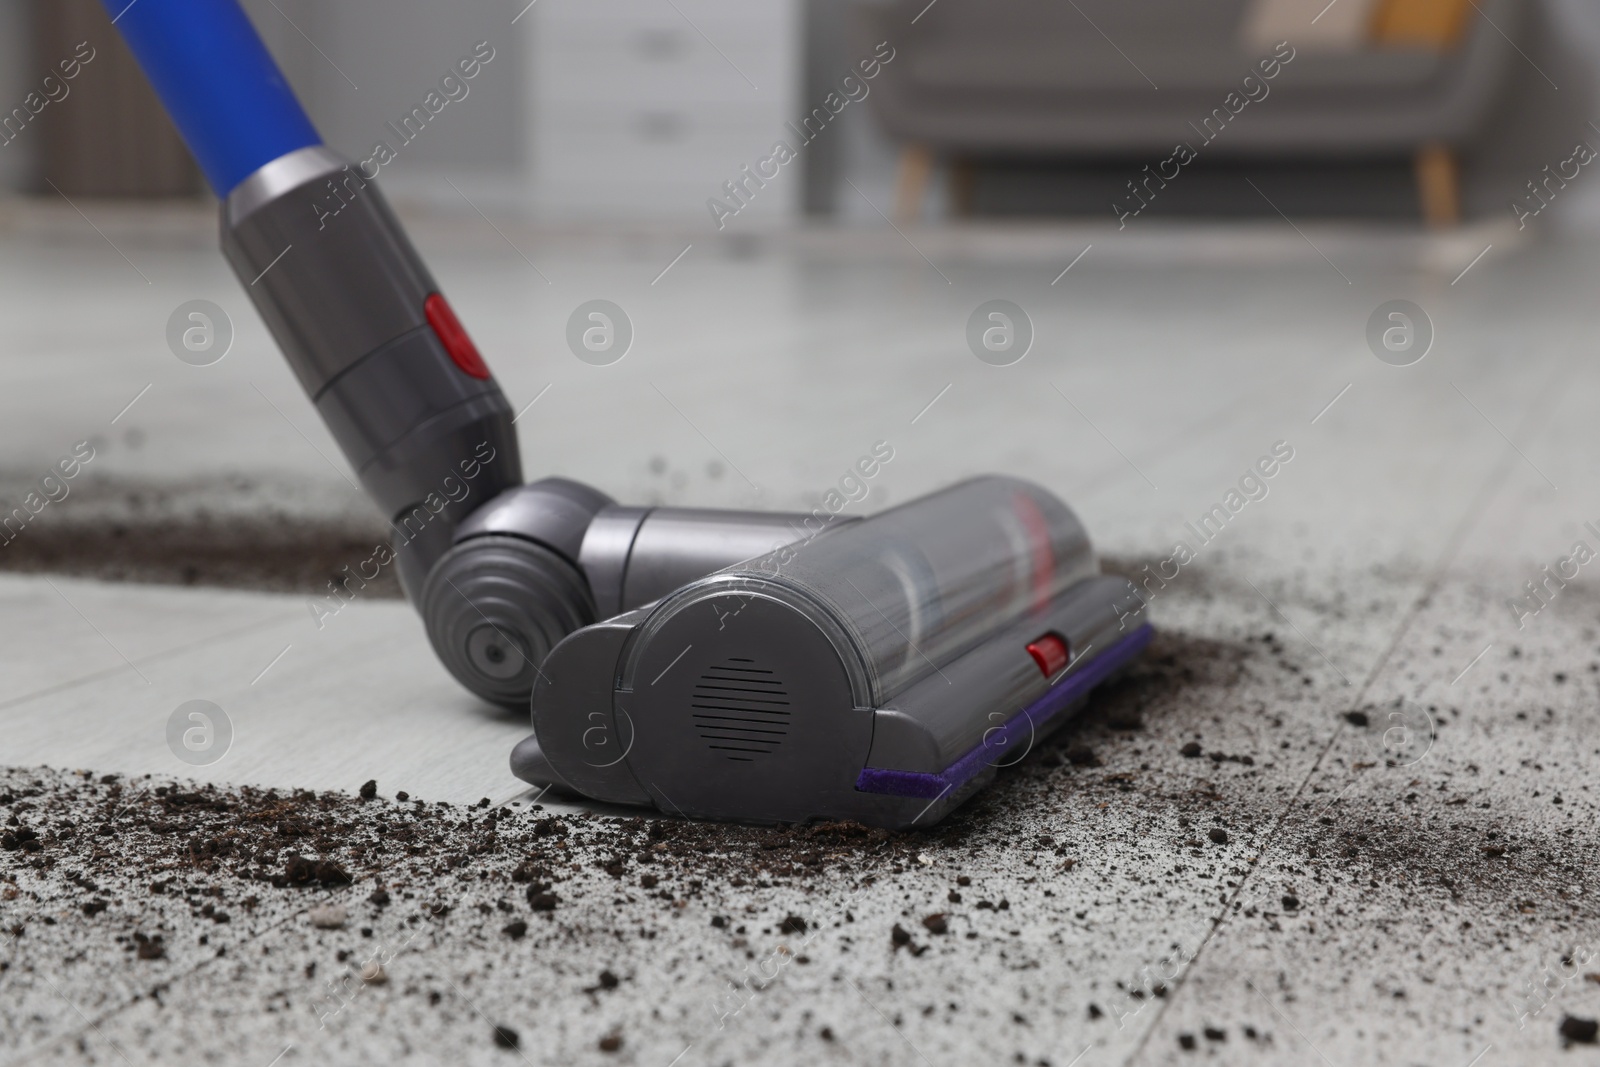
<point>1050,653</point>
<point>449,330</point>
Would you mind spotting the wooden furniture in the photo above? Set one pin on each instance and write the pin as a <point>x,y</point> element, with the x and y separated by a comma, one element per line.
<point>109,136</point>
<point>1036,80</point>
<point>1420,23</point>
<point>644,109</point>
<point>1437,25</point>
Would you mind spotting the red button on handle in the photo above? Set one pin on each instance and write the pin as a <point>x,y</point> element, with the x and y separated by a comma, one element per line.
<point>1050,652</point>
<point>454,337</point>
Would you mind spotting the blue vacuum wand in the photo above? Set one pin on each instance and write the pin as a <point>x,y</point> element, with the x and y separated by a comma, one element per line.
<point>728,664</point>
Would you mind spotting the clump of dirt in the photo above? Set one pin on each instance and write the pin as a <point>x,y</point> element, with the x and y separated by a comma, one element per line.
<point>1576,1031</point>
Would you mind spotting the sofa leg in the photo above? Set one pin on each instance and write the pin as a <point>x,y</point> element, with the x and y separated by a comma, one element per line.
<point>1439,185</point>
<point>916,167</point>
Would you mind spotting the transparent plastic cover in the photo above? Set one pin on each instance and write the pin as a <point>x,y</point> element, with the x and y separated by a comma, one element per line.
<point>924,582</point>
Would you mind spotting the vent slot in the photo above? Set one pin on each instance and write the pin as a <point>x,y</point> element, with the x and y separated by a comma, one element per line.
<point>740,710</point>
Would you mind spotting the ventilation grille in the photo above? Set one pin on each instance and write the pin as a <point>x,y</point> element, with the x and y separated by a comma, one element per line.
<point>740,710</point>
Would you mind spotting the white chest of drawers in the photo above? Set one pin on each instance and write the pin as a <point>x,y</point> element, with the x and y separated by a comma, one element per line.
<point>642,109</point>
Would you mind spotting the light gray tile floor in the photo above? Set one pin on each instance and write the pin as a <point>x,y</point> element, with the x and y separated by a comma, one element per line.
<point>1166,361</point>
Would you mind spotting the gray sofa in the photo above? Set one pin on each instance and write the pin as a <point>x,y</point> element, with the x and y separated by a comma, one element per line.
<point>1092,79</point>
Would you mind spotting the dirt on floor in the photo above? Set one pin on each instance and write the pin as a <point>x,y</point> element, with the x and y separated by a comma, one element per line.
<point>277,536</point>
<point>1214,783</point>
<point>98,843</point>
<point>286,556</point>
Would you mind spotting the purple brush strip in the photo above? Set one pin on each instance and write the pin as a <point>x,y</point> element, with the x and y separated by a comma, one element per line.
<point>1021,726</point>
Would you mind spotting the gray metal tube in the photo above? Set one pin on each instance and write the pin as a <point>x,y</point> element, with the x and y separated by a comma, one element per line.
<point>363,326</point>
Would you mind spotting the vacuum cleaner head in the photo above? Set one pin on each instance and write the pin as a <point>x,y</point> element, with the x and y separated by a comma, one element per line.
<point>879,670</point>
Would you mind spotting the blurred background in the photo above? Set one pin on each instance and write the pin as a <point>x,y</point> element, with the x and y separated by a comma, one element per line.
<point>1196,206</point>
<point>1017,107</point>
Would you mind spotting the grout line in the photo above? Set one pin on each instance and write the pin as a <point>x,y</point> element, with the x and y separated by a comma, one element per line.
<point>1474,511</point>
<point>154,657</point>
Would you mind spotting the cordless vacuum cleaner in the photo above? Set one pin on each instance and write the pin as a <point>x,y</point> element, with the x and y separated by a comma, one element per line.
<point>721,664</point>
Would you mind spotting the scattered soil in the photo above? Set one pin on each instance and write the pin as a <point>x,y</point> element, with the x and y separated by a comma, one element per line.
<point>295,555</point>
<point>1422,844</point>
<point>1576,1031</point>
<point>290,840</point>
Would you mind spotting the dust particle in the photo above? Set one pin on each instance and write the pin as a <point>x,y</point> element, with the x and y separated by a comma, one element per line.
<point>1576,1031</point>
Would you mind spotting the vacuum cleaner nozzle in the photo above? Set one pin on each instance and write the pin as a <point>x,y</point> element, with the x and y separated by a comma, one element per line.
<point>880,671</point>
